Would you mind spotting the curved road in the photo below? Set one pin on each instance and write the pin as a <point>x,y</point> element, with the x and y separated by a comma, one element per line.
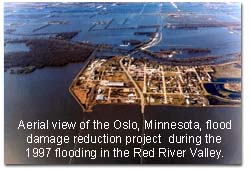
<point>151,43</point>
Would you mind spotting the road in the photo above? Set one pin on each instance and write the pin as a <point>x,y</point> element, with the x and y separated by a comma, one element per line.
<point>151,43</point>
<point>136,86</point>
<point>164,85</point>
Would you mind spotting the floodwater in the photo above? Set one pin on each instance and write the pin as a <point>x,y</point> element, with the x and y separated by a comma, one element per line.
<point>126,19</point>
<point>16,47</point>
<point>43,95</point>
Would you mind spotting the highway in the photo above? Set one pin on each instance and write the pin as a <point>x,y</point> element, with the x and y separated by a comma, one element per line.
<point>152,42</point>
<point>145,46</point>
<point>136,86</point>
<point>164,85</point>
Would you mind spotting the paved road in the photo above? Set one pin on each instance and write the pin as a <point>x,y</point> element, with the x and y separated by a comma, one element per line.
<point>164,85</point>
<point>136,86</point>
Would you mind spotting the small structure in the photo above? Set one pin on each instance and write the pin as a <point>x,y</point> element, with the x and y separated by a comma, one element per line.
<point>120,84</point>
<point>112,83</point>
<point>100,97</point>
<point>99,91</point>
<point>131,97</point>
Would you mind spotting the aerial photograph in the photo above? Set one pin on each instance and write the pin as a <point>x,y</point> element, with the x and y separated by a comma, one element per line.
<point>124,61</point>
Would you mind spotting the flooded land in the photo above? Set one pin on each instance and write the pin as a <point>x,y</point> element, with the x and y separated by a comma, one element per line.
<point>121,61</point>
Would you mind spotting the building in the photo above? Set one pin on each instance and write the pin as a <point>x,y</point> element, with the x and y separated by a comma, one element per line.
<point>112,83</point>
<point>131,98</point>
<point>100,97</point>
<point>120,84</point>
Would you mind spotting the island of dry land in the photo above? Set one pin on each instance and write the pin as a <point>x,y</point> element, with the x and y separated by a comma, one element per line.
<point>128,80</point>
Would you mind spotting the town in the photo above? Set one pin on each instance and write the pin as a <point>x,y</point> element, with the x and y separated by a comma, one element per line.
<point>130,80</point>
